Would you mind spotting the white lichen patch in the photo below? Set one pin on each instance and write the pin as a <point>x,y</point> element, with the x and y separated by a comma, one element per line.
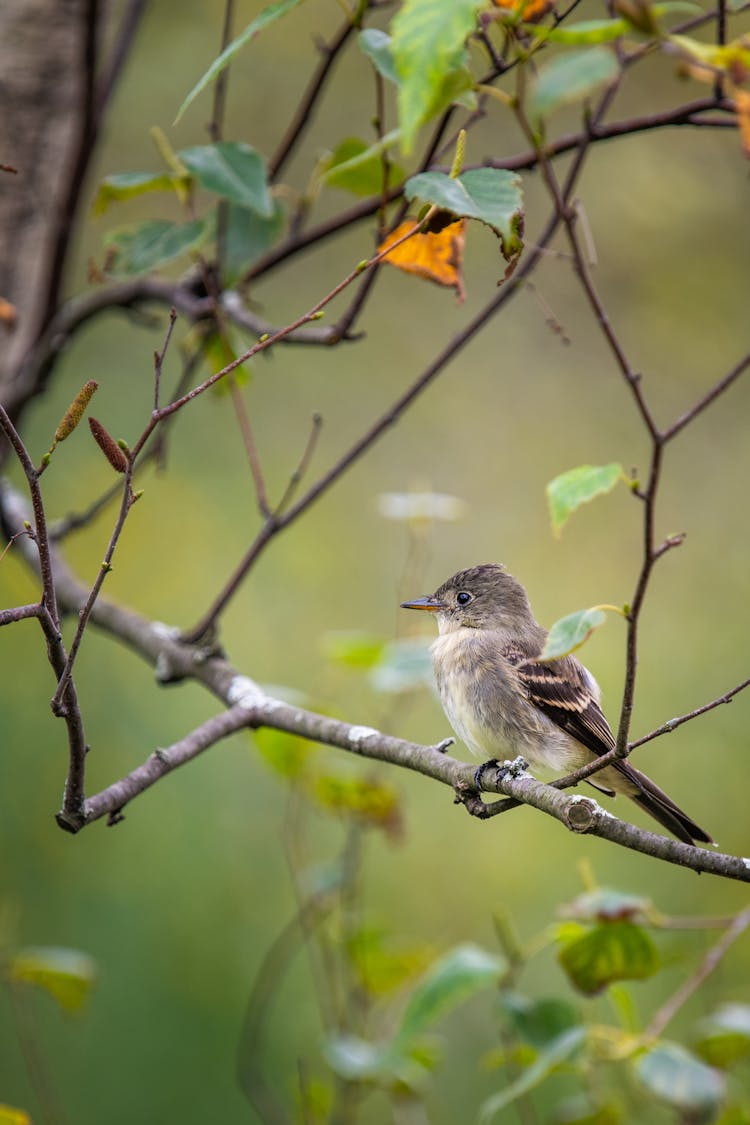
<point>576,798</point>
<point>165,632</point>
<point>361,734</point>
<point>244,692</point>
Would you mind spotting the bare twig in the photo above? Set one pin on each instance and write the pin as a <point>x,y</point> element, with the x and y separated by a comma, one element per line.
<point>707,399</point>
<point>304,462</point>
<point>710,962</point>
<point>88,122</point>
<point>307,105</point>
<point>128,499</point>
<point>124,39</point>
<point>673,724</point>
<point>20,613</point>
<point>159,357</point>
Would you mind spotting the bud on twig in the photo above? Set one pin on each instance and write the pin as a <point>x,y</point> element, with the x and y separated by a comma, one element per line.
<point>108,446</point>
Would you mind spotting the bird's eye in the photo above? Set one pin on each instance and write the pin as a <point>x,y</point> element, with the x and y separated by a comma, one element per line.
<point>463,597</point>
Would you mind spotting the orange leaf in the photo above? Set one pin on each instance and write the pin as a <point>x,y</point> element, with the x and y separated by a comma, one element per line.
<point>7,313</point>
<point>436,256</point>
<point>742,99</point>
<point>528,10</point>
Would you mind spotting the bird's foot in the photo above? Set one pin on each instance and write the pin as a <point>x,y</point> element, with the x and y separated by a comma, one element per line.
<point>512,768</point>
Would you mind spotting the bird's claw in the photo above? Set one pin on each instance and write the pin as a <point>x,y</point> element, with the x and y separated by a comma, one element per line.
<point>505,769</point>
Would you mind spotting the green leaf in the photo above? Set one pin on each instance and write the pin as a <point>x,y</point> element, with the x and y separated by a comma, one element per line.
<point>459,974</point>
<point>539,1022</point>
<point>127,185</point>
<point>355,168</point>
<point>605,905</point>
<point>233,170</point>
<point>675,1076</point>
<point>725,1036</point>
<point>569,633</point>
<point>582,1109</point>
<point>138,249</point>
<point>427,44</point>
<point>285,753</point>
<point>557,1052</point>
<point>383,965</point>
<point>266,17</point>
<point>403,666</point>
<point>581,34</point>
<point>248,237</point>
<point>372,802</point>
<point>353,1058</point>
<point>353,648</point>
<point>608,952</point>
<point>566,493</point>
<point>377,46</point>
<point>66,974</point>
<point>570,78</point>
<point>374,152</point>
<point>491,195</point>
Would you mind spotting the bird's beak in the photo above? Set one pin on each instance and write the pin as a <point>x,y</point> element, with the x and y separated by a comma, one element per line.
<point>430,604</point>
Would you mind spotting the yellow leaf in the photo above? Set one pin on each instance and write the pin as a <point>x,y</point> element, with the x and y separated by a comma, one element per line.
<point>9,1115</point>
<point>436,255</point>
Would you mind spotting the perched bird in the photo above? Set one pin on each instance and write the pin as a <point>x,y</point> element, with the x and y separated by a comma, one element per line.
<point>502,701</point>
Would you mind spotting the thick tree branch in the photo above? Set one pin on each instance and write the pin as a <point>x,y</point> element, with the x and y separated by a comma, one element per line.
<point>250,707</point>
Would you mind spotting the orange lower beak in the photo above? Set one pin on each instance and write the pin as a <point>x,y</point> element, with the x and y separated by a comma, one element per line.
<point>430,604</point>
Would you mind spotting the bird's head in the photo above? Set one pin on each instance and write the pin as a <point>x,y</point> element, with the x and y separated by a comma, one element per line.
<point>482,597</point>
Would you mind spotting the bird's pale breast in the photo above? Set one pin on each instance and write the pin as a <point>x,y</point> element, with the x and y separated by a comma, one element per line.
<point>484,704</point>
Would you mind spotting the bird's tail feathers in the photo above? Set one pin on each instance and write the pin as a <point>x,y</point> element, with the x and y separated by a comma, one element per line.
<point>663,809</point>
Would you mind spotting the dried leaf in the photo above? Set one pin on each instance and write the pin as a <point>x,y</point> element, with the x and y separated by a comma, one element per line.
<point>530,11</point>
<point>742,101</point>
<point>8,313</point>
<point>436,256</point>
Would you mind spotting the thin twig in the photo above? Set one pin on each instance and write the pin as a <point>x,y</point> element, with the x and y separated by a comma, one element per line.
<point>710,962</point>
<point>673,724</point>
<point>87,122</point>
<point>123,43</point>
<point>308,103</point>
<point>718,389</point>
<point>159,356</point>
<point>216,128</point>
<point>304,462</point>
<point>20,613</point>
<point>251,449</point>
<point>128,499</point>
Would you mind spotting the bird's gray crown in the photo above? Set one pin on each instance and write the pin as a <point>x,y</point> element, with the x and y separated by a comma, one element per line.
<point>485,596</point>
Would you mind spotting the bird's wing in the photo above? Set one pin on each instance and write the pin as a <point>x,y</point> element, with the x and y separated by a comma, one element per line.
<point>562,691</point>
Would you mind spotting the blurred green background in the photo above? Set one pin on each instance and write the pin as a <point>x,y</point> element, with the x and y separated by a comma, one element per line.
<point>179,903</point>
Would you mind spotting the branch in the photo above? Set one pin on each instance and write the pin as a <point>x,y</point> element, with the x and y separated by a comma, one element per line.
<point>253,709</point>
<point>707,399</point>
<point>131,294</point>
<point>692,984</point>
<point>306,108</point>
<point>250,707</point>
<point>673,724</point>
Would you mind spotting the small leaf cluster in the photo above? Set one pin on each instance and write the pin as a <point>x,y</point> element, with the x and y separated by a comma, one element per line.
<point>431,60</point>
<point>552,1043</point>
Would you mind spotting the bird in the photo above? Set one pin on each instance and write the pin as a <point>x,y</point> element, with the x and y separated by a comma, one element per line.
<point>503,700</point>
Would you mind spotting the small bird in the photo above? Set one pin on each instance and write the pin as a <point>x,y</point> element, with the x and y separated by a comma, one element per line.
<point>503,701</point>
